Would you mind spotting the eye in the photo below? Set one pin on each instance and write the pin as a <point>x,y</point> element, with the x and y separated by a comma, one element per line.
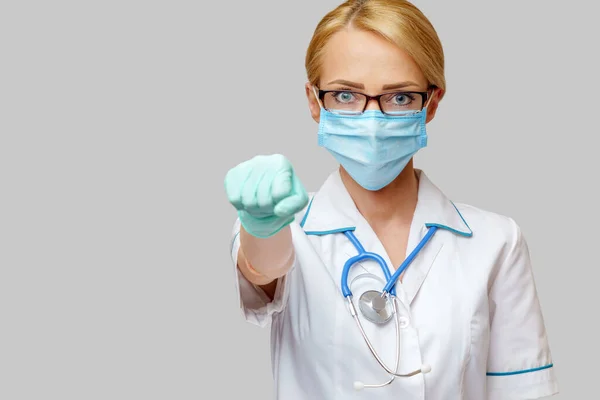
<point>402,99</point>
<point>344,97</point>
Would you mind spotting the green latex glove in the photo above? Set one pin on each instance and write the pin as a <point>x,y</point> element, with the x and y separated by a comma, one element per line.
<point>266,193</point>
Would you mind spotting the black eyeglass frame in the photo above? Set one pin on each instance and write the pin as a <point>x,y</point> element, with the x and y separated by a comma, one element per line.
<point>424,97</point>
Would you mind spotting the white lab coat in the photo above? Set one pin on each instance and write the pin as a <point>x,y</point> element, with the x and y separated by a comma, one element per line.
<point>469,307</point>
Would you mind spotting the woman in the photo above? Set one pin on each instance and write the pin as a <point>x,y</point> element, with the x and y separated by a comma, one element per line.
<point>464,307</point>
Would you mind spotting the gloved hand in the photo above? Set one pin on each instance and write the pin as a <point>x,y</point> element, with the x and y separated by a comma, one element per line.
<point>266,193</point>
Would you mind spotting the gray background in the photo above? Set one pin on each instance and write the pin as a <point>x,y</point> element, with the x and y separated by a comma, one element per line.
<point>119,120</point>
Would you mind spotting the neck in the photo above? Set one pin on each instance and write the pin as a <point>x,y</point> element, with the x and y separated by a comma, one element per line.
<point>395,203</point>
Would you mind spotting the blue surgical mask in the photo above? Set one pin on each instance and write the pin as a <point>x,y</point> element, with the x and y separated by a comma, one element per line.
<point>373,147</point>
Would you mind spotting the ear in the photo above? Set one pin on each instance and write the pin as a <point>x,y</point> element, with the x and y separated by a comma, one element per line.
<point>436,96</point>
<point>313,102</point>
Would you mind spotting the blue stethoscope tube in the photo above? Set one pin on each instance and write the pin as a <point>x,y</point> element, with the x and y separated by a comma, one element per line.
<point>366,255</point>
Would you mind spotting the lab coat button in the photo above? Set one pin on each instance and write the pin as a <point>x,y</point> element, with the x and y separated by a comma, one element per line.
<point>404,322</point>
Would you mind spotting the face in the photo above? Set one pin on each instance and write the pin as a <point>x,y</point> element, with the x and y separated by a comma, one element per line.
<point>364,62</point>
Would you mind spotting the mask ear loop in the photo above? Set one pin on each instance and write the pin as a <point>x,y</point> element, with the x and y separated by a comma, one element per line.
<point>429,97</point>
<point>317,97</point>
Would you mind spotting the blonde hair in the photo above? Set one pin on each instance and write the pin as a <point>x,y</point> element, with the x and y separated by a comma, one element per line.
<point>398,21</point>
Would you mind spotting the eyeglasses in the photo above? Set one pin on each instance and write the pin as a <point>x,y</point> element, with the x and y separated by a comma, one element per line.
<point>350,102</point>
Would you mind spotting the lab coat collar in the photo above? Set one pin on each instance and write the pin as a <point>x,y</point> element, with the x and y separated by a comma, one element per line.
<point>332,210</point>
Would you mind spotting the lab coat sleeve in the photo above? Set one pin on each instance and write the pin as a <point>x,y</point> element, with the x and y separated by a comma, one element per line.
<point>520,363</point>
<point>255,305</point>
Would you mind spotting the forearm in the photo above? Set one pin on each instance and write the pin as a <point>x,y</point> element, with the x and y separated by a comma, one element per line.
<point>262,261</point>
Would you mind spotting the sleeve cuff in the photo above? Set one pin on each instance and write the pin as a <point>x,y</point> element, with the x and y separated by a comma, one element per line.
<point>520,385</point>
<point>255,305</point>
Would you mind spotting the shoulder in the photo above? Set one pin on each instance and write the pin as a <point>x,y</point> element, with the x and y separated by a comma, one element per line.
<point>491,227</point>
<point>497,241</point>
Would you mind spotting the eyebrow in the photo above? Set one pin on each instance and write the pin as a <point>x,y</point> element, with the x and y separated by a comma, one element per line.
<point>397,85</point>
<point>347,83</point>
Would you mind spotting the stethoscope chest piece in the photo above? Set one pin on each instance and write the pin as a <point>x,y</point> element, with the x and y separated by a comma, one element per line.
<point>376,308</point>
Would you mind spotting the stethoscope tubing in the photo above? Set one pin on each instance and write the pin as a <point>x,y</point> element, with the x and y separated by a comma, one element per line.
<point>372,349</point>
<point>394,373</point>
<point>367,255</point>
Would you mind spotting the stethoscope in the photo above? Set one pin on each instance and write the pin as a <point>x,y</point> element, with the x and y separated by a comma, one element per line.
<point>380,307</point>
